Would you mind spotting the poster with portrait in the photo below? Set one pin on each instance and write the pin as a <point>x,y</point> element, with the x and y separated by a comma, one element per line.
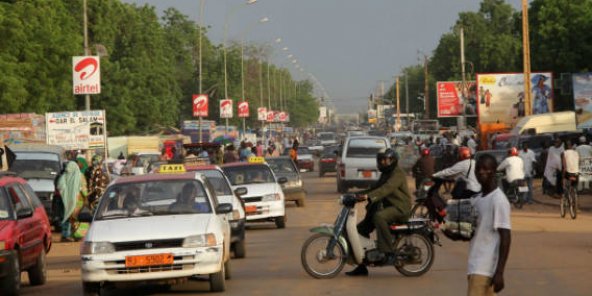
<point>501,96</point>
<point>582,90</point>
<point>453,97</point>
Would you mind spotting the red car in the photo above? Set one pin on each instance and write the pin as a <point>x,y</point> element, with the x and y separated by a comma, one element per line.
<point>25,234</point>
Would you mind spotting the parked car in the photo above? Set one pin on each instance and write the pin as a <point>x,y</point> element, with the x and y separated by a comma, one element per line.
<point>328,160</point>
<point>315,147</point>
<point>356,162</point>
<point>305,161</point>
<point>265,200</point>
<point>41,165</point>
<point>156,227</point>
<point>25,234</point>
<point>224,193</point>
<point>283,166</point>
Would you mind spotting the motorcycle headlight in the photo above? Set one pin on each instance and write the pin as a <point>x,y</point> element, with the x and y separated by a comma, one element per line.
<point>90,248</point>
<point>271,197</point>
<point>202,240</point>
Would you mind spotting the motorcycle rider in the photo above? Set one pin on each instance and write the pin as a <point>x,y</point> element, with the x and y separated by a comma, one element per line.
<point>464,170</point>
<point>513,166</point>
<point>389,202</point>
<point>423,168</point>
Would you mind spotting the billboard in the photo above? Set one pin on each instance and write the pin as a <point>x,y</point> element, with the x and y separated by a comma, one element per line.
<point>501,96</point>
<point>243,109</point>
<point>86,75</point>
<point>225,108</point>
<point>452,99</point>
<point>582,90</point>
<point>76,130</point>
<point>261,113</point>
<point>200,105</point>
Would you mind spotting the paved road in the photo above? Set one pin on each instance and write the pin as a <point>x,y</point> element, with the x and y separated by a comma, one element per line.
<point>549,256</point>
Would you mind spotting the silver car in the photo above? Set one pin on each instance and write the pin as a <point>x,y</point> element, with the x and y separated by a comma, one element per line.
<point>356,163</point>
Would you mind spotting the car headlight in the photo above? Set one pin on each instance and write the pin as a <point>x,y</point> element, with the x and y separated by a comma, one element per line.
<point>202,240</point>
<point>89,248</point>
<point>235,214</point>
<point>271,197</point>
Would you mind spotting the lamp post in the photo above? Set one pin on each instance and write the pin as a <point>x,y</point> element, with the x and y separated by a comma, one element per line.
<point>201,10</point>
<point>235,9</point>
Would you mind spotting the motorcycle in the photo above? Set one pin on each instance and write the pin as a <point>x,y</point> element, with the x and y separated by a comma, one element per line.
<point>425,206</point>
<point>516,191</point>
<point>325,253</point>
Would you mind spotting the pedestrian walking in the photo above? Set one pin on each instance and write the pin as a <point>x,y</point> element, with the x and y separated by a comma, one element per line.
<point>72,190</point>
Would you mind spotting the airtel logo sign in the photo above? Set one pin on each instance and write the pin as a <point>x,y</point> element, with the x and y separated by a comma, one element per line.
<point>86,75</point>
<point>85,63</point>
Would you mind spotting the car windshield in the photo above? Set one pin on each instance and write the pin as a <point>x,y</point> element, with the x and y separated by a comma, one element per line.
<point>365,148</point>
<point>139,199</point>
<point>251,174</point>
<point>281,165</point>
<point>36,164</point>
<point>218,182</point>
<point>5,207</point>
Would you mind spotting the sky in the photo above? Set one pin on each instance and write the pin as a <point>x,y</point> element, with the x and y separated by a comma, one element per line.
<point>350,46</point>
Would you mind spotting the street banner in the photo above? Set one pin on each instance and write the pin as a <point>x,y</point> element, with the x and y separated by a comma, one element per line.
<point>225,108</point>
<point>276,116</point>
<point>243,109</point>
<point>501,96</point>
<point>582,90</point>
<point>283,116</point>
<point>452,99</point>
<point>261,113</point>
<point>270,115</point>
<point>86,75</point>
<point>200,105</point>
<point>76,130</point>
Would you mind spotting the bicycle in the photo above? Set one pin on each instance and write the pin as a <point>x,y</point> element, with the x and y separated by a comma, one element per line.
<point>569,199</point>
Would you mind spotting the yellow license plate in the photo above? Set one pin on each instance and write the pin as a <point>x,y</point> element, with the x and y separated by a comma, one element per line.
<point>148,260</point>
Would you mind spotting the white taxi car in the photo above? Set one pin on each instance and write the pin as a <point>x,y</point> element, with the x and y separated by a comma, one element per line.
<point>157,228</point>
<point>264,200</point>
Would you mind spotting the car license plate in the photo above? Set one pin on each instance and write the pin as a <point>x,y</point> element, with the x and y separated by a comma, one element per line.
<point>367,174</point>
<point>251,209</point>
<point>149,260</point>
<point>523,189</point>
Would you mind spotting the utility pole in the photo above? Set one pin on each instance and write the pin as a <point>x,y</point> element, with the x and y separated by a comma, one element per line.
<point>526,58</point>
<point>201,9</point>
<point>464,92</point>
<point>407,99</point>
<point>426,95</point>
<point>86,49</point>
<point>398,123</point>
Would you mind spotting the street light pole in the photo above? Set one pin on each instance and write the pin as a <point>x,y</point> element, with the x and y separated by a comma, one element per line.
<point>86,49</point>
<point>201,10</point>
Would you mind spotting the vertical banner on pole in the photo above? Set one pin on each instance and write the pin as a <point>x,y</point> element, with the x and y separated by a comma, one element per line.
<point>225,108</point>
<point>243,109</point>
<point>200,105</point>
<point>261,113</point>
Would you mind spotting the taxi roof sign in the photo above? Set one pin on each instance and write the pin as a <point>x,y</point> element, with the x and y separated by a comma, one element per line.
<point>256,159</point>
<point>172,169</point>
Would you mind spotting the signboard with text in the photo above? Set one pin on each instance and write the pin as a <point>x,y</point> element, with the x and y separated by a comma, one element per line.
<point>76,130</point>
<point>225,108</point>
<point>86,75</point>
<point>200,105</point>
<point>243,109</point>
<point>582,91</point>
<point>452,99</point>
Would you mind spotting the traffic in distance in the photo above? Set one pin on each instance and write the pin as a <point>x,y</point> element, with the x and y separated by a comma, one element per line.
<point>143,152</point>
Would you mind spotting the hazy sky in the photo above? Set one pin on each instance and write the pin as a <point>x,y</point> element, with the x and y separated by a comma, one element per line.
<point>348,45</point>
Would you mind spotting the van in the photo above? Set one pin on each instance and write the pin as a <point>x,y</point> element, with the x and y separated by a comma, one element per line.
<point>546,123</point>
<point>356,164</point>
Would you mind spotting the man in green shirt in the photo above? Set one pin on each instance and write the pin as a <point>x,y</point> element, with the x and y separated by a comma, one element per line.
<point>389,202</point>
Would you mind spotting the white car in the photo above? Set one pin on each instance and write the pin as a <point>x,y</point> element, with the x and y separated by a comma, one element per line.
<point>156,228</point>
<point>356,162</point>
<point>264,200</point>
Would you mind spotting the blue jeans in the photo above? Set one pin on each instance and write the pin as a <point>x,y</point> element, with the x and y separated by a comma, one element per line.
<point>529,193</point>
<point>66,229</point>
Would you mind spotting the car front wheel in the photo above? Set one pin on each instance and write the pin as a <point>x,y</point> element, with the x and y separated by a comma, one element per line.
<point>218,280</point>
<point>91,289</point>
<point>239,249</point>
<point>11,283</point>
<point>280,222</point>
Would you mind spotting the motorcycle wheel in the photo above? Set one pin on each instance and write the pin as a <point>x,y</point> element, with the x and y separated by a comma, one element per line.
<point>314,257</point>
<point>415,254</point>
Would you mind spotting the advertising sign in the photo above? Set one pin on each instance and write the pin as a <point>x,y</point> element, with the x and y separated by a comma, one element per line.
<point>200,105</point>
<point>76,130</point>
<point>371,113</point>
<point>225,108</point>
<point>261,113</point>
<point>501,96</point>
<point>243,109</point>
<point>283,116</point>
<point>270,115</point>
<point>86,75</point>
<point>582,89</point>
<point>452,98</point>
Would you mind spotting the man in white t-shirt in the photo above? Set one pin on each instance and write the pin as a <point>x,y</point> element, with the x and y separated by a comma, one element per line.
<point>490,246</point>
<point>513,166</point>
<point>528,158</point>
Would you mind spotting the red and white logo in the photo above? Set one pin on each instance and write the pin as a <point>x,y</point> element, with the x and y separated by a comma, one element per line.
<point>200,105</point>
<point>270,115</point>
<point>261,113</point>
<point>225,108</point>
<point>86,75</point>
<point>243,109</point>
<point>283,116</point>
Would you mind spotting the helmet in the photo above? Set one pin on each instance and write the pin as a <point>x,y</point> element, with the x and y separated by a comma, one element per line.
<point>583,140</point>
<point>425,152</point>
<point>464,153</point>
<point>391,164</point>
<point>513,151</point>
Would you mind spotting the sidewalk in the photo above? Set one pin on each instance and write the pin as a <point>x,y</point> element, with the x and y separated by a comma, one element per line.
<point>584,198</point>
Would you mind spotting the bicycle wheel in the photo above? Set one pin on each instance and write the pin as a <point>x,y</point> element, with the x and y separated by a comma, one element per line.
<point>518,198</point>
<point>563,205</point>
<point>573,204</point>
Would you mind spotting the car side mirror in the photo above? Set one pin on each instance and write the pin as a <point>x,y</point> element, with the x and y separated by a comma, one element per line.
<point>282,180</point>
<point>241,191</point>
<point>24,213</point>
<point>85,217</point>
<point>224,208</point>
